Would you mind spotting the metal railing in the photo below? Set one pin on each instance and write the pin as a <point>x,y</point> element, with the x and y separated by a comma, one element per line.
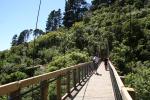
<point>120,91</point>
<point>37,88</point>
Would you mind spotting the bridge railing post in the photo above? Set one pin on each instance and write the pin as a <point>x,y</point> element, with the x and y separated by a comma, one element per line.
<point>82,74</point>
<point>44,90</point>
<point>79,76</point>
<point>58,86</point>
<point>15,95</point>
<point>68,83</point>
<point>85,71</point>
<point>74,79</point>
<point>88,70</point>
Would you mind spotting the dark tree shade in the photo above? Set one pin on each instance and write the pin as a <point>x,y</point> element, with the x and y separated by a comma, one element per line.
<point>97,3</point>
<point>74,10</point>
<point>24,35</point>
<point>80,7</point>
<point>53,21</point>
<point>68,18</point>
<point>38,32</point>
<point>14,40</point>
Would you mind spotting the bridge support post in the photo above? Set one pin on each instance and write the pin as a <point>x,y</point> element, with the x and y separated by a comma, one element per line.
<point>15,95</point>
<point>74,79</point>
<point>58,86</point>
<point>44,90</point>
<point>68,83</point>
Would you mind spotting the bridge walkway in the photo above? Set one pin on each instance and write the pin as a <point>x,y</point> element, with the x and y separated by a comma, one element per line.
<point>98,87</point>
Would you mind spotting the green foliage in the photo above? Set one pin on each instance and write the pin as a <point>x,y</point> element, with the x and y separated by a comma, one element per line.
<point>52,92</point>
<point>49,40</point>
<point>67,60</point>
<point>38,32</point>
<point>140,81</point>
<point>74,11</point>
<point>53,21</point>
<point>5,78</point>
<point>23,37</point>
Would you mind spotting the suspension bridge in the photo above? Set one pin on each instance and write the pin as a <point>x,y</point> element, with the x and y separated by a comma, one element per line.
<point>77,82</point>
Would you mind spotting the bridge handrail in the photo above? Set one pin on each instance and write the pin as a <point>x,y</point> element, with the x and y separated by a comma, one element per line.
<point>15,86</point>
<point>124,93</point>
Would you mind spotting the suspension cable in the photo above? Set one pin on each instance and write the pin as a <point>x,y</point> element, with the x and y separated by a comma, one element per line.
<point>38,14</point>
<point>37,19</point>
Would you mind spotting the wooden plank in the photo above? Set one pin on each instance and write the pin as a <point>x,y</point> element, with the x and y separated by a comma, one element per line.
<point>30,81</point>
<point>68,83</point>
<point>44,90</point>
<point>79,76</point>
<point>15,95</point>
<point>58,86</point>
<point>98,87</point>
<point>74,79</point>
<point>8,88</point>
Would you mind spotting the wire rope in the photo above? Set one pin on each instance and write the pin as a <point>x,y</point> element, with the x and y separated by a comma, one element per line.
<point>36,24</point>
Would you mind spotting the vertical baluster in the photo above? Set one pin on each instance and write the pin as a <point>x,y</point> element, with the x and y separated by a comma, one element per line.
<point>79,76</point>
<point>91,65</point>
<point>15,95</point>
<point>82,73</point>
<point>74,78</point>
<point>68,83</point>
<point>58,86</point>
<point>44,90</point>
<point>87,70</point>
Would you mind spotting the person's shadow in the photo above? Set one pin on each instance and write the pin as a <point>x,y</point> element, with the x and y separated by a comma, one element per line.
<point>98,74</point>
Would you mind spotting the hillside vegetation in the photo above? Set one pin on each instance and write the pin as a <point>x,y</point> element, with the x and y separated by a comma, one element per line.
<point>122,27</point>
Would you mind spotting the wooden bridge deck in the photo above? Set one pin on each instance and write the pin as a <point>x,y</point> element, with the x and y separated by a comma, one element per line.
<point>98,87</point>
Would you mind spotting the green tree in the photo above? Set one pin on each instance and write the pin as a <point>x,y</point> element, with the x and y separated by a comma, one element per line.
<point>58,18</point>
<point>79,9</point>
<point>74,11</point>
<point>38,32</point>
<point>24,35</point>
<point>96,3</point>
<point>50,21</point>
<point>14,40</point>
<point>68,18</point>
<point>53,21</point>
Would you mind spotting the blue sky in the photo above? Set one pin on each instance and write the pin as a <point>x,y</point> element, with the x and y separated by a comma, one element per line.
<point>17,15</point>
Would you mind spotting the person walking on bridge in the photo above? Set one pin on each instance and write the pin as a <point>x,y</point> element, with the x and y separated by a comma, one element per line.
<point>106,63</point>
<point>96,63</point>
